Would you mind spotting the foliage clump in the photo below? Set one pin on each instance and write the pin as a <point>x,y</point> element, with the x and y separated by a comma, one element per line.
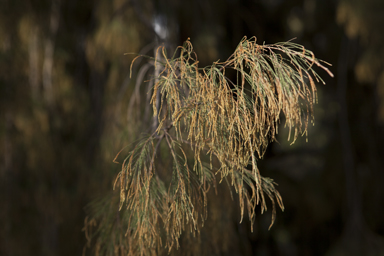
<point>214,121</point>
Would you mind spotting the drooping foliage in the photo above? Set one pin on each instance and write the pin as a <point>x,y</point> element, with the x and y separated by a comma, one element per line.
<point>225,123</point>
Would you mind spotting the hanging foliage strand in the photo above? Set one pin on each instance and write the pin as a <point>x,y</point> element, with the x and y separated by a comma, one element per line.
<point>231,121</point>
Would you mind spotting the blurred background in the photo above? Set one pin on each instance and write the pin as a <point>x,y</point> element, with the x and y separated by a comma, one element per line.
<point>66,110</point>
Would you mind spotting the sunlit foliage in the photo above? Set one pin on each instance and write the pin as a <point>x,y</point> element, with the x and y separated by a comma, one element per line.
<point>225,124</point>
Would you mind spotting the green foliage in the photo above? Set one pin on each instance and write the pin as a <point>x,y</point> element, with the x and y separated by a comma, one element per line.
<point>225,124</point>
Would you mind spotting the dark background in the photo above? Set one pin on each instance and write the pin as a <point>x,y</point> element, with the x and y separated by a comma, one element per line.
<point>65,91</point>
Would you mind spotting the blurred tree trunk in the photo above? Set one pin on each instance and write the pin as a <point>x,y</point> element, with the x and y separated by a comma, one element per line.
<point>357,238</point>
<point>49,49</point>
<point>355,217</point>
<point>50,232</point>
<point>7,175</point>
<point>33,51</point>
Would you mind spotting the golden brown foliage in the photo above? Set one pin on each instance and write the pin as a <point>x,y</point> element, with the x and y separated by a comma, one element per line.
<point>227,124</point>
